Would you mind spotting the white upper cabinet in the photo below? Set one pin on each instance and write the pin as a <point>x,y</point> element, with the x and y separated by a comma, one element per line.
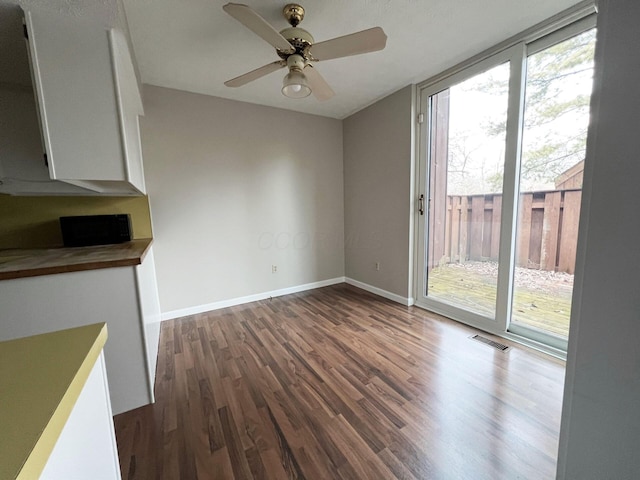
<point>23,170</point>
<point>88,103</point>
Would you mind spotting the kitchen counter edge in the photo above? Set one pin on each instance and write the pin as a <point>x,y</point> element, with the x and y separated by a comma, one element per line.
<point>20,263</point>
<point>40,397</point>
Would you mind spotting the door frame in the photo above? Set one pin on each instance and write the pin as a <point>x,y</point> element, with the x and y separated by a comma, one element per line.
<point>513,56</point>
<point>515,50</point>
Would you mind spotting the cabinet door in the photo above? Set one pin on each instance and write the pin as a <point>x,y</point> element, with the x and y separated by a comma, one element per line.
<point>21,155</point>
<point>74,83</point>
<point>23,169</point>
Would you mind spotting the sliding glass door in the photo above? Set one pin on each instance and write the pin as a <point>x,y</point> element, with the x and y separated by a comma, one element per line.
<point>465,175</point>
<point>502,151</point>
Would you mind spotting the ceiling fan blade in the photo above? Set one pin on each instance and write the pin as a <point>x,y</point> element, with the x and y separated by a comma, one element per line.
<point>319,86</point>
<point>366,41</point>
<point>258,25</point>
<point>255,74</point>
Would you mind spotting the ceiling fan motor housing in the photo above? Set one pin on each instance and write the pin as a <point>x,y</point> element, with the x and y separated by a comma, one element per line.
<point>299,39</point>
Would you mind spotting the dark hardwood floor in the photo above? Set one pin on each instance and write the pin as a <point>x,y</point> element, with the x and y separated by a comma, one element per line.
<point>336,383</point>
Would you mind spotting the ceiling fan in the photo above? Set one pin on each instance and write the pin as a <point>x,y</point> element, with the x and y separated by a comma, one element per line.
<point>297,50</point>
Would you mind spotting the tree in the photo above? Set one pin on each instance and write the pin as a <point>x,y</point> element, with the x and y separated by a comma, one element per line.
<point>558,90</point>
<point>559,81</point>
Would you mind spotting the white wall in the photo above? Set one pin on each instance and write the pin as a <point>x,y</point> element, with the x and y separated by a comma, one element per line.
<point>235,188</point>
<point>600,430</point>
<point>377,180</point>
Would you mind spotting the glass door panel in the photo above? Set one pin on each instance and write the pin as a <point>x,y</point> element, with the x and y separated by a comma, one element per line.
<point>500,185</point>
<point>466,160</point>
<point>558,89</point>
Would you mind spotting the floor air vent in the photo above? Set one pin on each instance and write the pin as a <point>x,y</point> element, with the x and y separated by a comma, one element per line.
<point>491,343</point>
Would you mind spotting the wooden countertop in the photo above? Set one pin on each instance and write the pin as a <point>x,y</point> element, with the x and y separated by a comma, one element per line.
<point>18,263</point>
<point>41,378</point>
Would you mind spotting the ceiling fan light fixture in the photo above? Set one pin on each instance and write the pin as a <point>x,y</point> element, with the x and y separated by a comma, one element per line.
<point>297,49</point>
<point>295,85</point>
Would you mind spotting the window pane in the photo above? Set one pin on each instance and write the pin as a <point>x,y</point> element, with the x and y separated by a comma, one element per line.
<point>558,89</point>
<point>465,192</point>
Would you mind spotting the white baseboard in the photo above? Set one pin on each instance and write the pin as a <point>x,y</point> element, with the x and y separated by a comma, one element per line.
<point>407,301</point>
<point>183,312</point>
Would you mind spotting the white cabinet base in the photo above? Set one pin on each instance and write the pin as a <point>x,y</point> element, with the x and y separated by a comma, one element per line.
<point>47,303</point>
<point>86,448</point>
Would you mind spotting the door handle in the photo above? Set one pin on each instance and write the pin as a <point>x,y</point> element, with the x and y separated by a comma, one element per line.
<point>421,204</point>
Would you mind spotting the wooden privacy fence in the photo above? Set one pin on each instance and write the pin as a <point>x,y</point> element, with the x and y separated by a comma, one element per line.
<point>547,229</point>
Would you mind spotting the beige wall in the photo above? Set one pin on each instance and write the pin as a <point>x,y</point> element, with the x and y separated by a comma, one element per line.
<point>235,188</point>
<point>377,181</point>
<point>32,222</point>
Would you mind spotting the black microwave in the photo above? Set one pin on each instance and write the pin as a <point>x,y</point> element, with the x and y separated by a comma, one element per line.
<point>82,231</point>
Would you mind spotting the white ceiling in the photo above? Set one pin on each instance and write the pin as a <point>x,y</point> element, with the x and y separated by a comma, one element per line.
<point>194,45</point>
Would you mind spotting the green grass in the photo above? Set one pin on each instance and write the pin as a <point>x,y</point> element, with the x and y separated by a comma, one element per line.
<point>542,306</point>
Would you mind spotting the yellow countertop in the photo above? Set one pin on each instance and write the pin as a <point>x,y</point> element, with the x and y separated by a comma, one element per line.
<point>18,263</point>
<point>40,380</point>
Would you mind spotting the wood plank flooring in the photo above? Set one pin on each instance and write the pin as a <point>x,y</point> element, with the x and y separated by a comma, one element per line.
<point>336,383</point>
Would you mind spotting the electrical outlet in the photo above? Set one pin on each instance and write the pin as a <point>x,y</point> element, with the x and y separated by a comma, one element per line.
<point>274,269</point>
<point>378,266</point>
